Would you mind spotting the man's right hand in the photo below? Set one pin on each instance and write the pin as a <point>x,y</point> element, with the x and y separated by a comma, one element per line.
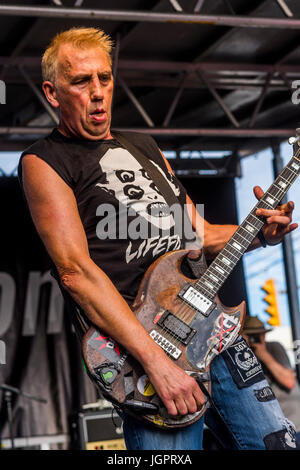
<point>178,391</point>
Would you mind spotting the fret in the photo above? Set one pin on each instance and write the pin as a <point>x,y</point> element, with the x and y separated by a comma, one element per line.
<point>207,287</point>
<point>287,181</point>
<point>249,228</point>
<point>294,178</point>
<point>267,199</point>
<point>278,188</point>
<point>283,185</point>
<point>297,162</point>
<point>206,277</point>
<point>287,168</point>
<point>247,235</point>
<point>296,158</point>
<point>207,292</point>
<point>240,235</point>
<point>264,201</point>
<point>208,284</point>
<point>271,201</point>
<point>213,277</point>
<point>292,171</point>
<point>225,260</point>
<point>237,246</point>
<point>256,220</point>
<point>219,270</point>
<point>226,249</point>
<point>295,165</point>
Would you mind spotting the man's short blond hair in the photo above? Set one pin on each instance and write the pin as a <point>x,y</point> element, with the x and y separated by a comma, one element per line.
<point>79,37</point>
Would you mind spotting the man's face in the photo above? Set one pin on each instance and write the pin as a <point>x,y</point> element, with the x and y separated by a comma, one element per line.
<point>84,89</point>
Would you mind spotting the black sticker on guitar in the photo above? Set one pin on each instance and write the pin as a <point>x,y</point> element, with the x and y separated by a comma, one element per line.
<point>243,365</point>
<point>281,440</point>
<point>106,346</point>
<point>265,394</point>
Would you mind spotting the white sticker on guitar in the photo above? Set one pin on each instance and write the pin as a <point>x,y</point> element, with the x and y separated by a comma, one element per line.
<point>145,387</point>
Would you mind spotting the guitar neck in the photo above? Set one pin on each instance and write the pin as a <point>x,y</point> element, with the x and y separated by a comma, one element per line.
<point>229,256</point>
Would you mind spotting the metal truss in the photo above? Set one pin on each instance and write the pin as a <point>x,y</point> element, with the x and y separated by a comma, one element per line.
<point>160,131</point>
<point>149,16</point>
<point>131,74</point>
<point>211,76</point>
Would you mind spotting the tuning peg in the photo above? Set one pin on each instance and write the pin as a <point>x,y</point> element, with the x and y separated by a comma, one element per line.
<point>292,140</point>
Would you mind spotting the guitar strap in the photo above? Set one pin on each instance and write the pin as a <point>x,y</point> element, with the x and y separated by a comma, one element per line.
<point>196,266</point>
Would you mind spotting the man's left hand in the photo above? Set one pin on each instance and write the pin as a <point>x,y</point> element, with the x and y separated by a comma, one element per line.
<point>278,221</point>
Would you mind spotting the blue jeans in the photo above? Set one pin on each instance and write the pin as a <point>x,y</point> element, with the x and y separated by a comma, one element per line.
<point>245,415</point>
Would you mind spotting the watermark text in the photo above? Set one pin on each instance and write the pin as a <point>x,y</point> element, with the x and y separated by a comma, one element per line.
<point>2,352</point>
<point>2,92</point>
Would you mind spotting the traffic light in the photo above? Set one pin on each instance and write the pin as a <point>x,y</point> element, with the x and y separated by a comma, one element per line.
<point>271,299</point>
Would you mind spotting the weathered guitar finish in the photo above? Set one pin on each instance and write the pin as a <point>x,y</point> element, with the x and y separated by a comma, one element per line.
<point>158,307</point>
<point>185,317</point>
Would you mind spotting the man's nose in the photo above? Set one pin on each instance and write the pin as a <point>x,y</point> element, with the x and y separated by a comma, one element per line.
<point>96,90</point>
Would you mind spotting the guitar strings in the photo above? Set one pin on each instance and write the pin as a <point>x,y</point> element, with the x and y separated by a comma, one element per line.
<point>185,312</point>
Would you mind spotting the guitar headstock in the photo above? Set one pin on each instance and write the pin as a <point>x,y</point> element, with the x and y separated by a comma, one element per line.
<point>295,140</point>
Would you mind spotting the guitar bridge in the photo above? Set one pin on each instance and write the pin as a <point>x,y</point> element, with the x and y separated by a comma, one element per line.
<point>165,344</point>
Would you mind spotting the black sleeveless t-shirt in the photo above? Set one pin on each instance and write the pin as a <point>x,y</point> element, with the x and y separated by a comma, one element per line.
<point>123,213</point>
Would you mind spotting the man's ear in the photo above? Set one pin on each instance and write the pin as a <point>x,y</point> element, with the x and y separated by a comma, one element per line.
<point>50,93</point>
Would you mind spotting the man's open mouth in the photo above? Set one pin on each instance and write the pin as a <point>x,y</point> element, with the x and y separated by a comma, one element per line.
<point>158,209</point>
<point>98,115</point>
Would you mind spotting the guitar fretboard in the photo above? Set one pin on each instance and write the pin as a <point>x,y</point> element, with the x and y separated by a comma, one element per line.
<point>223,264</point>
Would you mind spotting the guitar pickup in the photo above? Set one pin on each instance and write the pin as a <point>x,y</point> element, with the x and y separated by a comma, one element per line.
<point>178,328</point>
<point>196,300</point>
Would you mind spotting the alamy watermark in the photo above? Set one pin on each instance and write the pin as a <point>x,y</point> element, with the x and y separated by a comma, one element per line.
<point>296,94</point>
<point>2,92</point>
<point>2,352</point>
<point>296,348</point>
<point>141,221</point>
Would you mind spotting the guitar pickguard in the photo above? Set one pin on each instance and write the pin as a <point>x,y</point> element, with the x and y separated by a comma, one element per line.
<point>212,337</point>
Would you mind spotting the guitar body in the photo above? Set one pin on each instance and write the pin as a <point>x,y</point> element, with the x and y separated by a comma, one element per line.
<point>190,338</point>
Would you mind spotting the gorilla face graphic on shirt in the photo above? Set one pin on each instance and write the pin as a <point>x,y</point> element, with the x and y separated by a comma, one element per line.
<point>128,182</point>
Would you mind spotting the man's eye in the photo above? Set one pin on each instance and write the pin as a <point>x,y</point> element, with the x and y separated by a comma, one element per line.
<point>105,78</point>
<point>80,82</point>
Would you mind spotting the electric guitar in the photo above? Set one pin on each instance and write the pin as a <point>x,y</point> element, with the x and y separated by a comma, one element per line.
<point>185,317</point>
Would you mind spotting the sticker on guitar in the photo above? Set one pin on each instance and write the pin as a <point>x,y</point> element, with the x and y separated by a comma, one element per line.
<point>145,387</point>
<point>225,331</point>
<point>108,348</point>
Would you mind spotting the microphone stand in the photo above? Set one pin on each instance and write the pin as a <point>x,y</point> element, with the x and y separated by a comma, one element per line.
<point>8,392</point>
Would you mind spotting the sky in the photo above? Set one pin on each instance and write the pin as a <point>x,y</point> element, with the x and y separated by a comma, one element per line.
<point>260,264</point>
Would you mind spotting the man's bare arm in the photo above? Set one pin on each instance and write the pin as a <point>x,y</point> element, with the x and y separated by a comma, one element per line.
<point>55,214</point>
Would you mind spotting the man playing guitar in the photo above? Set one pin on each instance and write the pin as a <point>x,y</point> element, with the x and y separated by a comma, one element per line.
<point>60,173</point>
